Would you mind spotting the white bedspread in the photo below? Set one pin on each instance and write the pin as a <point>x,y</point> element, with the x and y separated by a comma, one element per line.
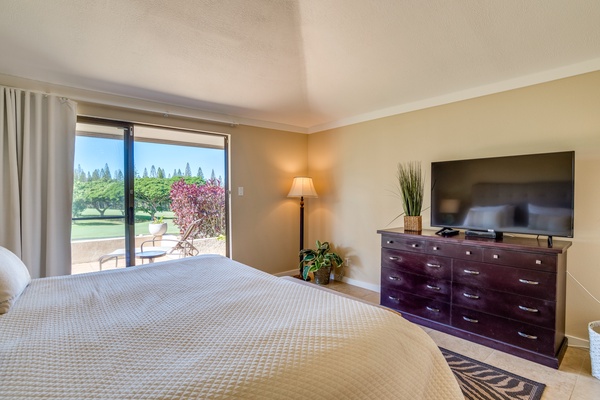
<point>208,327</point>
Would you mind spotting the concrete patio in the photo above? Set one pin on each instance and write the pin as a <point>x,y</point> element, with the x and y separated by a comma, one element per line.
<point>86,254</point>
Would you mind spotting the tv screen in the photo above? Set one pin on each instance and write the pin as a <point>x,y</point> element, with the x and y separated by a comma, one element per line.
<point>528,194</point>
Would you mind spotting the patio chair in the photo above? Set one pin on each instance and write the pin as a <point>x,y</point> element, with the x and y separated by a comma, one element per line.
<point>184,246</point>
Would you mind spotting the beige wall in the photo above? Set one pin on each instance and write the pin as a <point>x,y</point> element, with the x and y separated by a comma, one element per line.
<point>354,171</point>
<point>265,223</point>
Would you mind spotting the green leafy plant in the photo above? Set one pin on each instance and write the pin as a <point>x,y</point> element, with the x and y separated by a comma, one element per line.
<point>410,187</point>
<point>313,260</point>
<point>157,220</point>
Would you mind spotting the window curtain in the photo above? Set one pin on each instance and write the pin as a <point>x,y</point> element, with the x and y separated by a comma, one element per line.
<point>37,146</point>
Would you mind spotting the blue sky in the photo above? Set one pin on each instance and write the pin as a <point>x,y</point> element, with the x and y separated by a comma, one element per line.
<point>92,153</point>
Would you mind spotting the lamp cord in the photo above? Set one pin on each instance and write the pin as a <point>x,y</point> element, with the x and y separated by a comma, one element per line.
<point>587,291</point>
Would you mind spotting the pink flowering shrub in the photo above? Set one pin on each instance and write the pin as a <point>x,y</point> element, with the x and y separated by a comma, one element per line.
<point>191,202</point>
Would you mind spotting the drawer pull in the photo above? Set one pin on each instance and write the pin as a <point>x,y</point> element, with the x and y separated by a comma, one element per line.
<point>390,242</point>
<point>435,248</point>
<point>496,256</point>
<point>471,272</point>
<point>433,287</point>
<point>432,309</point>
<point>394,278</point>
<point>471,296</point>
<point>529,309</point>
<point>529,282</point>
<point>393,258</point>
<point>430,265</point>
<point>414,245</point>
<point>527,336</point>
<point>468,252</point>
<point>474,321</point>
<point>538,262</point>
<point>394,298</point>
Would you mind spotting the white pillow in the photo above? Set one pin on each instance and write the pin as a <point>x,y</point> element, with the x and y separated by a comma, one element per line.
<point>14,278</point>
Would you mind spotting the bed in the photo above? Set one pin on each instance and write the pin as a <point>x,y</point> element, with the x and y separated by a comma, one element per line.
<point>209,327</point>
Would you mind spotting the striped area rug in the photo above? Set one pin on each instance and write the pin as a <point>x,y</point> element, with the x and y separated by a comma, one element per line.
<point>480,381</point>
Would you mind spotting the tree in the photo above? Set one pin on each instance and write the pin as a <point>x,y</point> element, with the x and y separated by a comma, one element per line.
<point>160,173</point>
<point>174,173</point>
<point>79,175</point>
<point>188,170</point>
<point>79,203</point>
<point>152,172</point>
<point>105,173</point>
<point>119,175</point>
<point>179,173</point>
<point>145,175</point>
<point>212,175</point>
<point>98,194</point>
<point>152,195</point>
<point>200,174</point>
<point>95,175</point>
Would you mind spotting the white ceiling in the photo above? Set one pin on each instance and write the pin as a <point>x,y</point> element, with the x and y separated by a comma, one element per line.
<point>308,64</point>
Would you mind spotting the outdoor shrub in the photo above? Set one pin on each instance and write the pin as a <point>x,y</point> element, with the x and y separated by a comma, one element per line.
<point>190,202</point>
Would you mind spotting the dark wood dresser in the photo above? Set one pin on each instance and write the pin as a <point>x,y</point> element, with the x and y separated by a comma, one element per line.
<point>507,294</point>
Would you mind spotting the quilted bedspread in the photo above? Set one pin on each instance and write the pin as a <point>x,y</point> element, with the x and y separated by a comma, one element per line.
<point>209,327</point>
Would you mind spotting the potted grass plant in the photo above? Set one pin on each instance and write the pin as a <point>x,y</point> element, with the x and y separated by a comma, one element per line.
<point>319,262</point>
<point>411,188</point>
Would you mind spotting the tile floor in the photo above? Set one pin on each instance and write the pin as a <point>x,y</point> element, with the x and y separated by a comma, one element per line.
<point>573,381</point>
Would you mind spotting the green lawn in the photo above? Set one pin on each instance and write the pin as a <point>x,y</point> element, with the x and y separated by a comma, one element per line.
<point>100,229</point>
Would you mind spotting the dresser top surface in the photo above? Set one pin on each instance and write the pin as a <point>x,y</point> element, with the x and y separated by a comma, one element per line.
<point>508,242</point>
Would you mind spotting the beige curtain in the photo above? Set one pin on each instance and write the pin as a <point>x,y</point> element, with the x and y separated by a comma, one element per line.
<point>37,146</point>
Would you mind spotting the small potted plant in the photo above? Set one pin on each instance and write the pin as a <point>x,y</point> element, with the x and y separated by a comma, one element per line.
<point>410,188</point>
<point>157,227</point>
<point>320,262</point>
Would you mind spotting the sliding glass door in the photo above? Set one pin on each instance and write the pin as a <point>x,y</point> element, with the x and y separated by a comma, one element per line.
<point>144,194</point>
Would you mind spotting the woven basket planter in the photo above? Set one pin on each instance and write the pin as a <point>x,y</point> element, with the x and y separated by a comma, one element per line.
<point>413,224</point>
<point>594,329</point>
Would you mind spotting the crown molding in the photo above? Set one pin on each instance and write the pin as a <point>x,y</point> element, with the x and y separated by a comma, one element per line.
<point>108,99</point>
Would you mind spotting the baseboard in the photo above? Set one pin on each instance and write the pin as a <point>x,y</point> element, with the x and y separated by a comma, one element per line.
<point>578,342</point>
<point>364,285</point>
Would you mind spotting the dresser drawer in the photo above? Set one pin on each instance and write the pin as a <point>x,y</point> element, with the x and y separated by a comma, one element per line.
<point>422,264</point>
<point>467,252</point>
<point>521,308</point>
<point>526,336</point>
<point>424,307</point>
<point>526,282</point>
<point>417,284</point>
<point>416,244</point>
<point>441,248</point>
<point>542,262</point>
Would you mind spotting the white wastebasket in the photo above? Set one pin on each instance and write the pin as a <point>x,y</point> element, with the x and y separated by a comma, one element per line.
<point>594,329</point>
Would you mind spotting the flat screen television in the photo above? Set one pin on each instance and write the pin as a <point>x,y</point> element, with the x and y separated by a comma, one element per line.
<point>526,194</point>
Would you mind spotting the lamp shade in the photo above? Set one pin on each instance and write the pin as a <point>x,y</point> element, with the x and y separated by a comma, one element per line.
<point>302,186</point>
